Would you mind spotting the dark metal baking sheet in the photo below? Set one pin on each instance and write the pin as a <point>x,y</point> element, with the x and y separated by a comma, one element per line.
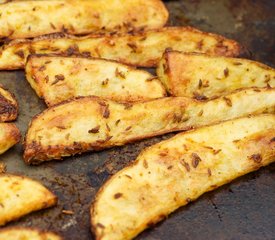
<point>244,209</point>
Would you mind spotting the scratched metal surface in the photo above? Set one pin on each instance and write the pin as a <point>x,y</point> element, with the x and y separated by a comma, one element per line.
<point>244,209</point>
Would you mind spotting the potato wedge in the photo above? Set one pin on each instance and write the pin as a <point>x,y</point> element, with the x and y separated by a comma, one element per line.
<point>90,123</point>
<point>9,136</point>
<point>141,49</point>
<point>20,196</point>
<point>20,233</point>
<point>177,171</point>
<point>56,79</point>
<point>202,76</point>
<point>8,106</point>
<point>27,19</point>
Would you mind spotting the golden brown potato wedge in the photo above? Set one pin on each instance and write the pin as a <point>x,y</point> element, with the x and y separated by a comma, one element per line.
<point>27,19</point>
<point>91,123</point>
<point>9,136</point>
<point>20,233</point>
<point>177,171</point>
<point>202,76</point>
<point>141,49</point>
<point>20,196</point>
<point>3,168</point>
<point>8,106</point>
<point>57,78</point>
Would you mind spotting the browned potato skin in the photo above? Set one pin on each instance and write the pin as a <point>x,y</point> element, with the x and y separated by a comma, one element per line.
<point>8,106</point>
<point>9,136</point>
<point>22,233</point>
<point>175,172</point>
<point>20,196</point>
<point>92,124</point>
<point>58,78</point>
<point>202,76</point>
<point>142,49</point>
<point>28,19</point>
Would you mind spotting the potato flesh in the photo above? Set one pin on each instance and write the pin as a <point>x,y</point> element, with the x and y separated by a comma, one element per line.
<point>26,234</point>
<point>143,49</point>
<point>195,75</point>
<point>20,196</point>
<point>9,136</point>
<point>56,79</point>
<point>27,19</point>
<point>88,124</point>
<point>174,172</point>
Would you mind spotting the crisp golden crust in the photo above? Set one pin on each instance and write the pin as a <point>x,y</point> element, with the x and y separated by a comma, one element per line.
<point>177,171</point>
<point>20,196</point>
<point>27,19</point>
<point>20,233</point>
<point>140,49</point>
<point>90,123</point>
<point>57,78</point>
<point>9,136</point>
<point>8,106</point>
<point>199,75</point>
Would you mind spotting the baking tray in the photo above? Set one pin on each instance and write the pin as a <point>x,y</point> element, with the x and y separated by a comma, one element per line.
<point>244,209</point>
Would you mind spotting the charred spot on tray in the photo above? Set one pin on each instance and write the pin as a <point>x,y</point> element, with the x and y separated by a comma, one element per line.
<point>195,160</point>
<point>257,158</point>
<point>228,101</point>
<point>94,130</point>
<point>58,78</point>
<point>118,195</point>
<point>20,53</point>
